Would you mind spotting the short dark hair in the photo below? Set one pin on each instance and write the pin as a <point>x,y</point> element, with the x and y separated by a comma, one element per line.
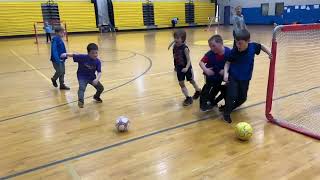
<point>91,47</point>
<point>180,33</point>
<point>58,29</point>
<point>217,38</point>
<point>242,35</point>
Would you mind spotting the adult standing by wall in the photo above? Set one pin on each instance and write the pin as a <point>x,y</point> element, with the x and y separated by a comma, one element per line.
<point>238,23</point>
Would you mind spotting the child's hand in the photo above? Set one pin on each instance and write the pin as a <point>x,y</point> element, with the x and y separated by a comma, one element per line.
<point>221,72</point>
<point>270,56</point>
<point>63,55</point>
<point>209,72</point>
<point>184,70</point>
<point>95,82</point>
<point>226,77</point>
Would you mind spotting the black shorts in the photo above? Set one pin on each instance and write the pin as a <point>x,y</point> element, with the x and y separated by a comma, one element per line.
<point>182,76</point>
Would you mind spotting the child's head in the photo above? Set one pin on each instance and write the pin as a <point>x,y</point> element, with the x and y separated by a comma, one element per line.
<point>92,49</point>
<point>238,10</point>
<point>59,31</point>
<point>216,44</point>
<point>180,36</point>
<point>242,39</point>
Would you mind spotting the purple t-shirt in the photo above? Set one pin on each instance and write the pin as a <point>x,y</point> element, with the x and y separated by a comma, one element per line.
<point>87,66</point>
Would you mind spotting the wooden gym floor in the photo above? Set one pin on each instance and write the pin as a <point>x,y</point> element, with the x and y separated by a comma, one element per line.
<point>44,135</point>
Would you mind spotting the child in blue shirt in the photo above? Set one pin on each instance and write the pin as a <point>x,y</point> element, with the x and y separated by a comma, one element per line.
<point>48,29</point>
<point>212,65</point>
<point>57,49</point>
<point>238,71</point>
<point>88,65</point>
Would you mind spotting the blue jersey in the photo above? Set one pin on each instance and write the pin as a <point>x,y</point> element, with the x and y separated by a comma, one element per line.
<point>57,48</point>
<point>87,66</point>
<point>216,63</point>
<point>241,63</point>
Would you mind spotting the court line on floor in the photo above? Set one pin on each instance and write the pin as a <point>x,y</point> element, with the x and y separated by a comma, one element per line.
<point>108,90</point>
<point>32,69</point>
<point>30,65</point>
<point>140,137</point>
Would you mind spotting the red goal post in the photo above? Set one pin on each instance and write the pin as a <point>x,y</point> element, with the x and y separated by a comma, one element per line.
<point>293,90</point>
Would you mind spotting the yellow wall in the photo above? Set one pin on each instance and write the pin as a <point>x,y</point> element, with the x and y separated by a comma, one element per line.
<point>79,16</point>
<point>128,15</point>
<point>165,11</point>
<point>17,18</point>
<point>203,10</point>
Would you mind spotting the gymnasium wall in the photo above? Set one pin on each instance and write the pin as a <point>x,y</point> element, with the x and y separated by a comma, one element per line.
<point>304,11</point>
<point>18,17</point>
<point>129,14</point>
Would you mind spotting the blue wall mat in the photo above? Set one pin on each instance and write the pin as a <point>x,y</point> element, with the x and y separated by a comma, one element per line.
<point>254,16</point>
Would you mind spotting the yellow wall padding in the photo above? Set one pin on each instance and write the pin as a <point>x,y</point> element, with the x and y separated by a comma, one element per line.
<point>165,11</point>
<point>79,16</point>
<point>203,10</point>
<point>128,15</point>
<point>17,18</point>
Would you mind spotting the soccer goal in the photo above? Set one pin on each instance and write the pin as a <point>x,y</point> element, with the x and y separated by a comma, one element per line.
<point>293,92</point>
<point>40,34</point>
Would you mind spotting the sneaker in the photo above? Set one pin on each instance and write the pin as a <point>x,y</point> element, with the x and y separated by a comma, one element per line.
<point>196,95</point>
<point>206,107</point>
<point>98,99</point>
<point>80,104</point>
<point>188,101</point>
<point>54,82</point>
<point>64,87</point>
<point>221,108</point>
<point>227,118</point>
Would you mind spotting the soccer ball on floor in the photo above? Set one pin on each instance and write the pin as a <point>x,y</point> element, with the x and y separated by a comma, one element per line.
<point>243,131</point>
<point>122,124</point>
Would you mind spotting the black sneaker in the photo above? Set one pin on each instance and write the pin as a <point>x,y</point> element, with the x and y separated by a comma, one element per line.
<point>64,87</point>
<point>54,82</point>
<point>188,101</point>
<point>221,108</point>
<point>80,104</point>
<point>206,107</point>
<point>227,118</point>
<point>196,95</point>
<point>98,99</point>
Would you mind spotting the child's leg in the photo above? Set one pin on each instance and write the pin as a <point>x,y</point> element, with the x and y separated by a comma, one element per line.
<point>242,93</point>
<point>232,95</point>
<point>82,89</point>
<point>214,92</point>
<point>61,77</point>
<point>188,100</point>
<point>47,35</point>
<point>184,89</point>
<point>205,93</point>
<point>99,87</point>
<point>222,94</point>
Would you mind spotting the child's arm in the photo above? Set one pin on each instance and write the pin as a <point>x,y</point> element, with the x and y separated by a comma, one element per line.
<point>54,51</point>
<point>266,50</point>
<point>96,81</point>
<point>186,52</point>
<point>226,71</point>
<point>171,44</point>
<point>65,55</point>
<point>206,70</point>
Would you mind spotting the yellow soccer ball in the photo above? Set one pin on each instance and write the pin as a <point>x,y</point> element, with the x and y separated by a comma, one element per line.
<point>243,131</point>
